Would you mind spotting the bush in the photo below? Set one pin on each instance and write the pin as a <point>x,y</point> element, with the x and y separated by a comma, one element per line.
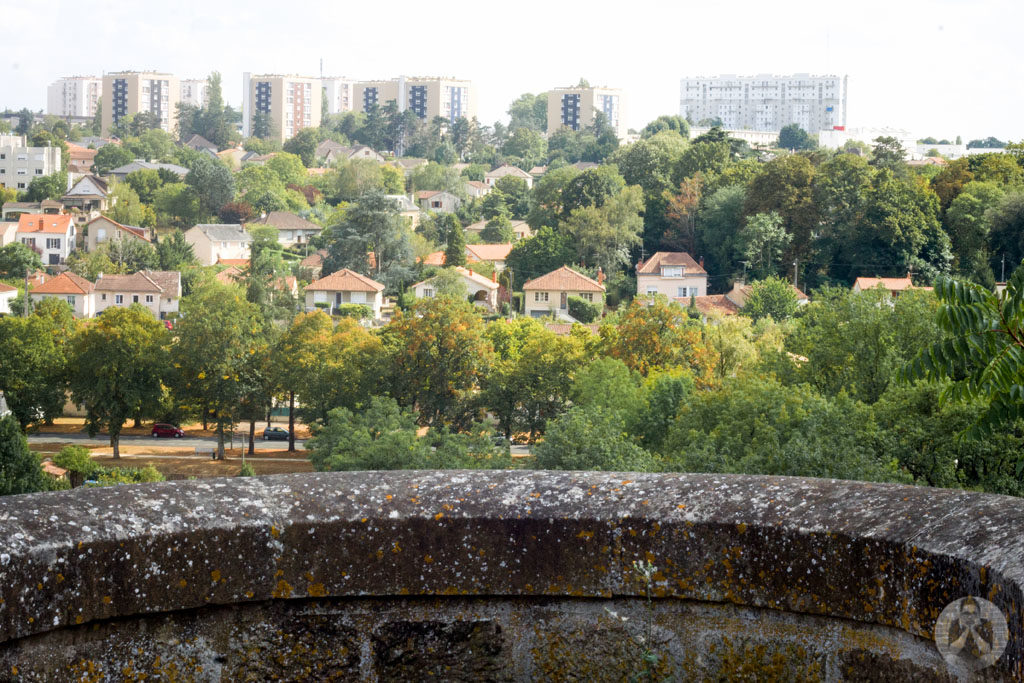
<point>246,471</point>
<point>357,311</point>
<point>321,305</point>
<point>76,460</point>
<point>583,310</point>
<point>517,302</point>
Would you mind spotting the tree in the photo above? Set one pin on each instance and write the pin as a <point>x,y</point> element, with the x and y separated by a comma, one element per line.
<point>763,240</point>
<point>130,255</point>
<point>371,225</point>
<point>529,111</point>
<point>888,153</point>
<point>52,186</point>
<point>109,157</point>
<point>785,186</point>
<point>591,439</point>
<point>795,138</point>
<point>303,144</point>
<point>116,368</point>
<point>212,183</point>
<point>546,251</point>
<point>145,182</point>
<point>127,209</point>
<point>772,297</point>
<point>681,216</point>
<point>34,361</point>
<point>674,123</point>
<point>720,223</point>
<point>526,145</point>
<point>983,354</point>
<point>16,258</point>
<point>966,221</point>
<point>20,471</point>
<point>1006,228</point>
<point>288,167</point>
<point>77,461</point>
<point>177,204</point>
<point>604,235</point>
<point>218,331</point>
<point>455,251</point>
<point>498,230</point>
<point>516,194</point>
<point>436,356</point>
<point>591,188</point>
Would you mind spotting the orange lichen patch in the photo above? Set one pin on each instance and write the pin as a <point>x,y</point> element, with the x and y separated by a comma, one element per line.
<point>215,575</point>
<point>39,586</point>
<point>395,548</point>
<point>387,497</point>
<point>107,600</point>
<point>317,590</point>
<point>249,594</point>
<point>182,583</point>
<point>79,619</point>
<point>585,534</point>
<point>438,516</point>
<point>274,531</point>
<point>428,559</point>
<point>741,527</point>
<point>283,589</point>
<point>364,520</point>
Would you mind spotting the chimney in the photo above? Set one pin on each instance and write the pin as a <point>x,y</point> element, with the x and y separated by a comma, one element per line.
<point>494,276</point>
<point>600,275</point>
<point>471,271</point>
<point>702,263</point>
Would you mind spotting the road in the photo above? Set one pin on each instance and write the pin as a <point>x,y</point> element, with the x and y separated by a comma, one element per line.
<point>186,442</point>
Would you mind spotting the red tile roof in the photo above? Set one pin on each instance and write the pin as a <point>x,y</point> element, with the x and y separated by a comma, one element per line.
<point>891,284</point>
<point>489,252</point>
<point>712,303</point>
<point>65,283</point>
<point>49,223</point>
<point>564,279</point>
<point>7,288</point>
<point>434,258</point>
<point>652,266</point>
<point>345,280</point>
<point>232,262</point>
<point>136,282</point>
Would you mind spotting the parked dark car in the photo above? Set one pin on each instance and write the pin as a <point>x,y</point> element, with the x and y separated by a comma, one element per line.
<point>275,433</point>
<point>166,430</point>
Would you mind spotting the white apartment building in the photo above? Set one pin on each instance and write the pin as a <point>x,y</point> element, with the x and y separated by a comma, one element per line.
<point>195,91</point>
<point>340,93</point>
<point>19,163</point>
<point>426,97</point>
<point>73,96</point>
<point>576,108</point>
<point>766,102</point>
<point>290,102</point>
<point>130,92</point>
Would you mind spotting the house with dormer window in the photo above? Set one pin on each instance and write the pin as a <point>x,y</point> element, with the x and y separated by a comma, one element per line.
<point>673,274</point>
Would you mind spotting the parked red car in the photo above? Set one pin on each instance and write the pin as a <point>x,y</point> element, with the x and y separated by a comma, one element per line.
<point>167,430</point>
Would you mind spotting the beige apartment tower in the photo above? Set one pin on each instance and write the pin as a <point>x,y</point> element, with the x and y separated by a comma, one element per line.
<point>576,108</point>
<point>289,103</point>
<point>131,92</point>
<point>426,97</point>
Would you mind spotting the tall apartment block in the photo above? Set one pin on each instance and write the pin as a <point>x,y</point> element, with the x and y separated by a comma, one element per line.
<point>766,102</point>
<point>340,94</point>
<point>576,108</point>
<point>195,91</point>
<point>19,163</point>
<point>290,102</point>
<point>130,92</point>
<point>73,96</point>
<point>427,97</point>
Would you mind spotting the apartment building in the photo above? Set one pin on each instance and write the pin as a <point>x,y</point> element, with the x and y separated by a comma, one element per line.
<point>291,103</point>
<point>427,97</point>
<point>340,94</point>
<point>195,91</point>
<point>73,96</point>
<point>19,163</point>
<point>130,92</point>
<point>766,102</point>
<point>576,108</point>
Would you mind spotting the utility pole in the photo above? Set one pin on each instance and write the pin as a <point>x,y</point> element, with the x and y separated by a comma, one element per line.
<point>796,261</point>
<point>1002,277</point>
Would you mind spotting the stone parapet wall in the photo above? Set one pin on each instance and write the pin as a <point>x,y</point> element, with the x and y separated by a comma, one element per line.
<point>498,575</point>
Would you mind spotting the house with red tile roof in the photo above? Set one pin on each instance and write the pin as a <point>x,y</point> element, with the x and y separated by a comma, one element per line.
<point>495,254</point>
<point>157,290</point>
<point>731,302</point>
<point>491,177</point>
<point>438,201</point>
<point>345,287</point>
<point>52,236</point>
<point>74,289</point>
<point>549,294</point>
<point>672,274</point>
<point>481,288</point>
<point>476,189</point>
<point>102,229</point>
<point>893,285</point>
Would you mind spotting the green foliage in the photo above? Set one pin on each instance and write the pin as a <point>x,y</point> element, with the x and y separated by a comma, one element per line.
<point>357,311</point>
<point>529,112</point>
<point>246,470</point>
<point>372,224</point>
<point>51,186</point>
<point>77,461</point>
<point>982,354</point>
<point>303,144</point>
<point>674,123</point>
<point>591,439</point>
<point>583,310</point>
<point>20,471</point>
<point>546,251</point>
<point>16,258</point>
<point>772,297</point>
<point>115,476</point>
<point>174,252</point>
<point>604,235</point>
<point>212,182</point>
<point>111,156</point>
<point>795,138</point>
<point>455,250</point>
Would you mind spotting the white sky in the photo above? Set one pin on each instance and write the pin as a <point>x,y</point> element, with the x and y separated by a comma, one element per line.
<point>937,67</point>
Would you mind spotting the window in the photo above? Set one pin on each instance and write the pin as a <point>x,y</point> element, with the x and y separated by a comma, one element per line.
<point>540,296</point>
<point>53,243</point>
<point>428,292</point>
<point>320,297</point>
<point>651,289</point>
<point>22,157</point>
<point>103,297</point>
<point>680,291</point>
<point>358,298</point>
<point>39,171</point>
<point>149,298</point>
<point>587,296</point>
<point>435,204</point>
<point>22,171</point>
<point>119,299</point>
<point>135,298</point>
<point>693,291</point>
<point>71,299</point>
<point>28,241</point>
<point>21,186</point>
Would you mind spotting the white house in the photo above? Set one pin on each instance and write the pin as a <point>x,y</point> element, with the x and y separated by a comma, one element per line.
<point>495,254</point>
<point>291,228</point>
<point>345,287</point>
<point>7,293</point>
<point>212,243</point>
<point>438,201</point>
<point>53,236</point>
<point>90,193</point>
<point>491,177</point>
<point>481,288</point>
<point>157,290</point>
<point>476,189</point>
<point>67,286</point>
<point>549,294</point>
<point>672,273</point>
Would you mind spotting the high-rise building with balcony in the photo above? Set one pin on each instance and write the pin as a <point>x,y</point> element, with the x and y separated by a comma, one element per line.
<point>576,107</point>
<point>73,96</point>
<point>195,91</point>
<point>766,102</point>
<point>128,93</point>
<point>426,97</point>
<point>340,94</point>
<point>286,103</point>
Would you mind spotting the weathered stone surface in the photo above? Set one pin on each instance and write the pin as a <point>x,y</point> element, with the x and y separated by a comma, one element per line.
<point>357,575</point>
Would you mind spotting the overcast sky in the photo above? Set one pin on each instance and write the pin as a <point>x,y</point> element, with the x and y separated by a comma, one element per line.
<point>940,67</point>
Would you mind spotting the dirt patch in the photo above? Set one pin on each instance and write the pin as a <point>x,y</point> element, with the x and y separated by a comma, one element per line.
<point>76,425</point>
<point>185,468</point>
